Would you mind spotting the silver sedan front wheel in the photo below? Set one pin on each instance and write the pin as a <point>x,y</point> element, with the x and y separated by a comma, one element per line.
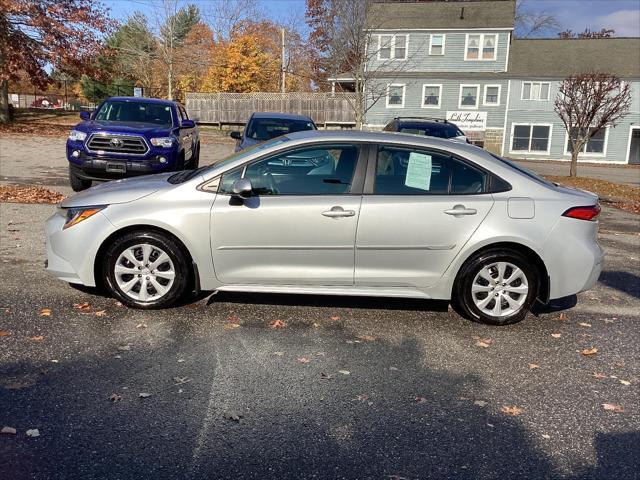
<point>144,272</point>
<point>500,289</point>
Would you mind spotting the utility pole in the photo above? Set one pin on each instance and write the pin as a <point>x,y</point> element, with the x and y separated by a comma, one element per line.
<point>283,71</point>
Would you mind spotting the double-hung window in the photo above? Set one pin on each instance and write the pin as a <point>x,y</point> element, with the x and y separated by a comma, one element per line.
<point>535,91</point>
<point>392,47</point>
<point>531,138</point>
<point>436,44</point>
<point>492,95</point>
<point>469,96</point>
<point>395,95</point>
<point>431,96</point>
<point>481,46</point>
<point>595,146</point>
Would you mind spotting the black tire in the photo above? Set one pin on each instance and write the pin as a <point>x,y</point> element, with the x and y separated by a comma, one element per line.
<point>78,184</point>
<point>180,163</point>
<point>181,266</point>
<point>195,160</point>
<point>463,299</point>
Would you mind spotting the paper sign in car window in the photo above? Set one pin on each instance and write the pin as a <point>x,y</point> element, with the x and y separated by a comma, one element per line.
<point>418,171</point>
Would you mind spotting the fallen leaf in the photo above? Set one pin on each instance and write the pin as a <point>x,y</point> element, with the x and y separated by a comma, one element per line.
<point>7,311</point>
<point>513,410</point>
<point>82,306</point>
<point>344,372</point>
<point>608,320</point>
<point>115,397</point>
<point>45,312</point>
<point>612,407</point>
<point>361,398</point>
<point>619,364</point>
<point>545,436</point>
<point>625,382</point>
<point>480,403</point>
<point>562,316</point>
<point>586,325</point>
<point>325,376</point>
<point>533,366</point>
<point>598,375</point>
<point>124,348</point>
<point>393,369</point>
<point>232,318</point>
<point>335,318</point>
<point>37,338</point>
<point>419,399</point>
<point>181,380</point>
<point>556,335</point>
<point>278,353</point>
<point>33,432</point>
<point>303,360</point>
<point>4,333</point>
<point>144,395</point>
<point>366,338</point>
<point>231,326</point>
<point>141,325</point>
<point>589,351</point>
<point>100,313</point>
<point>8,430</point>
<point>233,415</point>
<point>277,324</point>
<point>484,342</point>
<point>321,354</point>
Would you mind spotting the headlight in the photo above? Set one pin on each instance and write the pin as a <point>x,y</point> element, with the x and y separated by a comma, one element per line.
<point>76,215</point>
<point>162,142</point>
<point>77,135</point>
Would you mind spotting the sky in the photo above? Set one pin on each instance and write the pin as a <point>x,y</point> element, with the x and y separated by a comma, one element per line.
<point>621,15</point>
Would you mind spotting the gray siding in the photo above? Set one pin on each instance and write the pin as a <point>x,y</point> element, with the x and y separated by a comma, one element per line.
<point>419,60</point>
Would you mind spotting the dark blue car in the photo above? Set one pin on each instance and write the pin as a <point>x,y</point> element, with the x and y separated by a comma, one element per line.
<point>263,126</point>
<point>128,136</point>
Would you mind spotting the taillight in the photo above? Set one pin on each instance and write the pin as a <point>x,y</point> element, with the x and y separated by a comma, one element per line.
<point>583,213</point>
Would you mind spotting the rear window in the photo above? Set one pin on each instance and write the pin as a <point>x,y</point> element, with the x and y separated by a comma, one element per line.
<point>267,128</point>
<point>440,130</point>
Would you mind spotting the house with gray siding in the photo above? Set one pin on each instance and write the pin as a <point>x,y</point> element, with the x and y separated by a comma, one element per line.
<point>458,60</point>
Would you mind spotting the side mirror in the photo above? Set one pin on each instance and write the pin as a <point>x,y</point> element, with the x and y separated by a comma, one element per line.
<point>242,188</point>
<point>187,124</point>
<point>236,135</point>
<point>85,115</point>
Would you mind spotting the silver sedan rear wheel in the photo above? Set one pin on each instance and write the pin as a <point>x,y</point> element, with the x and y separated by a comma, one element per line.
<point>144,272</point>
<point>500,289</point>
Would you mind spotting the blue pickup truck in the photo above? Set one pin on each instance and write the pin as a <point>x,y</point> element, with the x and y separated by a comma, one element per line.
<point>128,136</point>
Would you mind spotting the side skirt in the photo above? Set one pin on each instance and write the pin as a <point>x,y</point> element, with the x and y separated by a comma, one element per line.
<point>400,292</point>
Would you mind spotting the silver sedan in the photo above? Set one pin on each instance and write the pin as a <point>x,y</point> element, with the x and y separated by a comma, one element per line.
<point>374,214</point>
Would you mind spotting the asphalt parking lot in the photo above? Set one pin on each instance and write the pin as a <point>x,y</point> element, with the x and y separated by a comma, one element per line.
<point>292,387</point>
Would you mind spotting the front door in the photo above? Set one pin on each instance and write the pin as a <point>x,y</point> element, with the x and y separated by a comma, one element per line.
<point>424,207</point>
<point>299,226</point>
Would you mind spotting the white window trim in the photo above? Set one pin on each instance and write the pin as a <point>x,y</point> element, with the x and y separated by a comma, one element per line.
<point>444,42</point>
<point>480,47</point>
<point>467,107</point>
<point>583,153</point>
<point>531,152</point>
<point>392,45</point>
<point>424,87</point>
<point>404,91</point>
<point>484,97</point>
<point>530,82</point>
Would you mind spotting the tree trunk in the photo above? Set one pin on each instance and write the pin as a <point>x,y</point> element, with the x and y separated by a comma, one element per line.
<point>4,101</point>
<point>573,172</point>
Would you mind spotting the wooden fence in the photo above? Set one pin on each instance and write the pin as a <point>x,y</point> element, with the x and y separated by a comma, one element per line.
<point>235,108</point>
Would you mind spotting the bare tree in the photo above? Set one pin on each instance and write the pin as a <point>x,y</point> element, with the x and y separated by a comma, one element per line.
<point>350,47</point>
<point>588,102</point>
<point>603,33</point>
<point>530,23</point>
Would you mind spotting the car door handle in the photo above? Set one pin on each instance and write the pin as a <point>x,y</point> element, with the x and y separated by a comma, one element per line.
<point>460,210</point>
<point>337,212</point>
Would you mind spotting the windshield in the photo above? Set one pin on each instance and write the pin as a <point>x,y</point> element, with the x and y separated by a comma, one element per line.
<point>267,128</point>
<point>142,112</point>
<point>526,171</point>
<point>440,130</point>
<point>189,174</point>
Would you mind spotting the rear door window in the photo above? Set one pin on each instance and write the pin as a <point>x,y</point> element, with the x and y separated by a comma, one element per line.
<point>262,129</point>
<point>403,171</point>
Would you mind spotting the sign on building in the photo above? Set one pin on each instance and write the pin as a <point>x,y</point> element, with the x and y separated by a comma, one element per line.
<point>137,91</point>
<point>468,121</point>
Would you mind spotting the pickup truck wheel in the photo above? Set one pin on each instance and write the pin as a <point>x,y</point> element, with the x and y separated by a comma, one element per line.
<point>195,160</point>
<point>78,184</point>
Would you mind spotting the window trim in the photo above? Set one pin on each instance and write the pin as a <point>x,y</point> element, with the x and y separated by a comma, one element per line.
<point>481,47</point>
<point>530,82</point>
<point>424,87</point>
<point>529,151</point>
<point>468,107</point>
<point>444,42</point>
<point>404,92</point>
<point>484,96</point>
<point>392,46</point>
<point>584,153</point>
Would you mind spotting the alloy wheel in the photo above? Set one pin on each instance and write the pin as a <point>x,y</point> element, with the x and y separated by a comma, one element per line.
<point>500,289</point>
<point>144,272</point>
